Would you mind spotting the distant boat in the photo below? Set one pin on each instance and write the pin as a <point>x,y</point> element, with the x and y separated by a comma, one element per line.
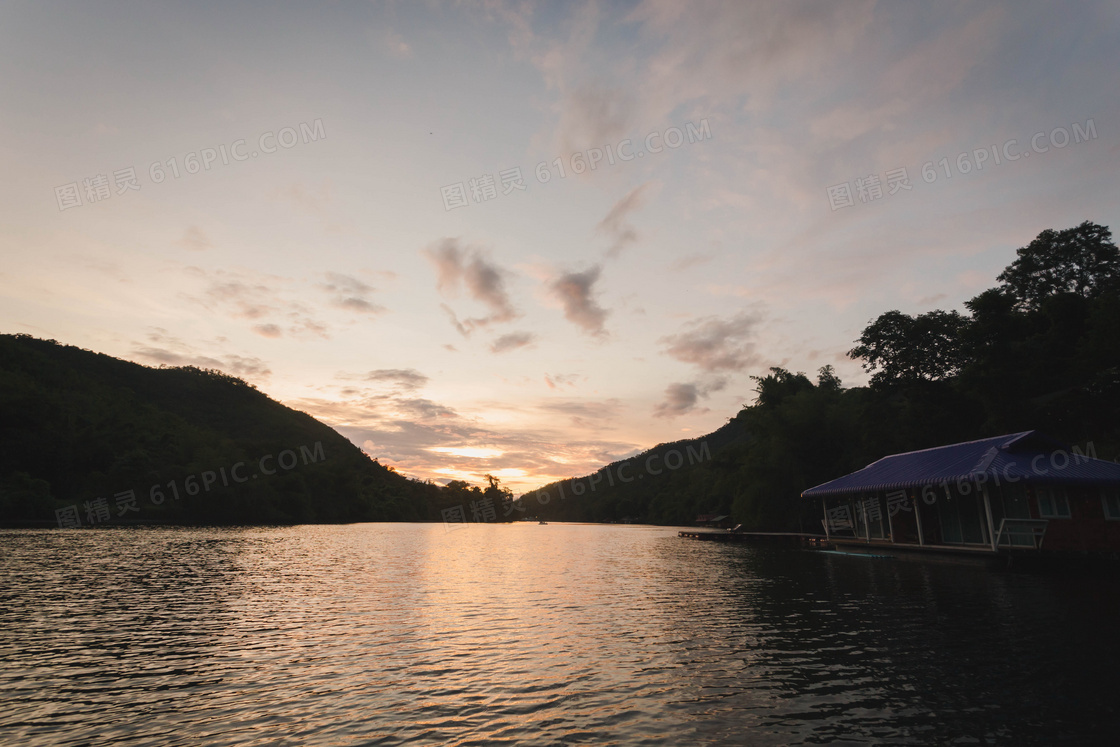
<point>542,521</point>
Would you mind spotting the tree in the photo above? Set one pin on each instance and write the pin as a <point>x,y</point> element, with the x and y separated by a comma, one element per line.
<point>779,384</point>
<point>1081,260</point>
<point>496,492</point>
<point>905,349</point>
<point>827,379</point>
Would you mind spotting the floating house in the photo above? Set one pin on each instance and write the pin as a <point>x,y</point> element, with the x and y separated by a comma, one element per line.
<point>1019,492</point>
<point>714,521</point>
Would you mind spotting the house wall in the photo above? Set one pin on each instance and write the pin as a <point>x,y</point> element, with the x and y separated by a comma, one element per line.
<point>1086,530</point>
<point>866,514</point>
<point>904,525</point>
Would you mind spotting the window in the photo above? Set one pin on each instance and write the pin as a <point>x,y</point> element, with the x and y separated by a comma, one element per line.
<point>1111,501</point>
<point>1052,503</point>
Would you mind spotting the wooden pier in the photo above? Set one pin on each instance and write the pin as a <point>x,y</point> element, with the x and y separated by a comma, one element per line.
<point>773,538</point>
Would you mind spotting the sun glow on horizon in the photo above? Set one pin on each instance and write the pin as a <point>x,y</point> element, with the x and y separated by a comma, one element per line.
<point>509,472</point>
<point>474,452</point>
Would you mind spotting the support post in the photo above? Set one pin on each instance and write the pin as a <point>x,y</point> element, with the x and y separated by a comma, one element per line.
<point>866,524</point>
<point>988,513</point>
<point>890,524</point>
<point>918,518</point>
<point>824,507</point>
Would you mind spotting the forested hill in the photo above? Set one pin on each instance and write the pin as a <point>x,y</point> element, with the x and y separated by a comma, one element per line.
<point>1039,350</point>
<point>81,429</point>
<point>111,441</point>
<point>668,484</point>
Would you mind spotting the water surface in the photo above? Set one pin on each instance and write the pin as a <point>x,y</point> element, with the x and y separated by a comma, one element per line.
<point>559,634</point>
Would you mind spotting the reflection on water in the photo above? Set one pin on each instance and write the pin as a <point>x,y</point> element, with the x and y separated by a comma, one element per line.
<point>395,633</point>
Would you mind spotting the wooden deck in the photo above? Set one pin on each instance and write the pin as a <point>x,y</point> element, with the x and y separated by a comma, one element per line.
<point>844,543</point>
<point>977,555</point>
<point>786,538</point>
<point>879,544</point>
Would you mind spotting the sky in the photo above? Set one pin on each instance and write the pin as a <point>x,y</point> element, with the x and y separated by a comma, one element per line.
<point>529,239</point>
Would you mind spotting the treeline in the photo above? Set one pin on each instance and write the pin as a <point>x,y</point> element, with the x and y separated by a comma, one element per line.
<point>105,441</point>
<point>668,484</point>
<point>1040,350</point>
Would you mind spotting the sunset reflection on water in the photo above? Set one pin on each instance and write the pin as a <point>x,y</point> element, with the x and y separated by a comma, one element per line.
<point>395,633</point>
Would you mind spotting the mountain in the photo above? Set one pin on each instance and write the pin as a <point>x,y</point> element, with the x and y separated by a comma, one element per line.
<point>669,484</point>
<point>1039,351</point>
<point>109,441</point>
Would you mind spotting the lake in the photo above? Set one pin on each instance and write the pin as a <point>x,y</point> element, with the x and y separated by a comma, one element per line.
<point>560,634</point>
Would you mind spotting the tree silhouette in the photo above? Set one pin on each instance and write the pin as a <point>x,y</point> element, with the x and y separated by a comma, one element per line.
<point>1081,260</point>
<point>901,348</point>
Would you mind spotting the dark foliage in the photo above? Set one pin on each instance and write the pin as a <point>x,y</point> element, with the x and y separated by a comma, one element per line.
<point>77,426</point>
<point>1081,261</point>
<point>1040,351</point>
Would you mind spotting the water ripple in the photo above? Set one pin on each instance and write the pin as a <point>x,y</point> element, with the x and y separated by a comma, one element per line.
<point>565,634</point>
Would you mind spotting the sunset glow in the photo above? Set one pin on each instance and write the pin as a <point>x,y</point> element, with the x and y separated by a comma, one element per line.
<point>467,451</point>
<point>581,239</point>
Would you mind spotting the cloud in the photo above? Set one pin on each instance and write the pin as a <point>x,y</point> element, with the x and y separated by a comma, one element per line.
<point>561,380</point>
<point>394,45</point>
<point>931,300</point>
<point>306,327</point>
<point>714,344</point>
<point>426,439</point>
<point>466,267</point>
<point>403,378</point>
<point>249,300</point>
<point>679,399</point>
<point>692,260</point>
<point>536,441</point>
<point>732,50</point>
<point>259,299</point>
<point>314,203</point>
<point>360,305</point>
<point>615,226</point>
<point>195,240</point>
<point>585,413</point>
<point>680,59</point>
<point>574,290</point>
<point>350,294</point>
<point>683,398</point>
<point>593,116</point>
<point>268,330</point>
<point>512,341</point>
<point>425,409</point>
<point>162,348</point>
<point>459,326</point>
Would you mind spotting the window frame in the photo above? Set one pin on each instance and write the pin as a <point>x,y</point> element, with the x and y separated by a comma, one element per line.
<point>1056,499</point>
<point>1113,497</point>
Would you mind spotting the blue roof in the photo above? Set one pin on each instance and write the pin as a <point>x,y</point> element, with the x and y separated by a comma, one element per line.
<point>1017,457</point>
